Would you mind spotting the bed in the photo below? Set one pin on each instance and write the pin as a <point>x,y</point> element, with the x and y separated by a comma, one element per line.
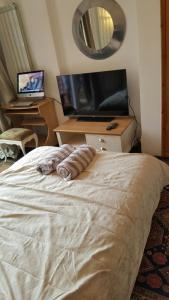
<point>82,239</point>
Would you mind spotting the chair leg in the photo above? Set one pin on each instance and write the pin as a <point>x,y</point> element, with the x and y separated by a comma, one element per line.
<point>5,158</point>
<point>3,150</point>
<point>36,141</point>
<point>22,146</point>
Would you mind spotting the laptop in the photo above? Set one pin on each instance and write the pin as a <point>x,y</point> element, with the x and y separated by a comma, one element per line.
<point>30,88</point>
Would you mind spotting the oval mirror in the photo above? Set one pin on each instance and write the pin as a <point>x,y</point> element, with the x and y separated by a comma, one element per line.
<point>99,27</point>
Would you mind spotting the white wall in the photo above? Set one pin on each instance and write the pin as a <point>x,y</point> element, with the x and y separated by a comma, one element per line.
<point>71,60</point>
<point>140,54</point>
<point>150,74</point>
<point>40,43</point>
<point>5,2</point>
<point>48,27</point>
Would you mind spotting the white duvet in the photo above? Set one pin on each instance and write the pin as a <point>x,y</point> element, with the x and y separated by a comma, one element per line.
<point>76,240</point>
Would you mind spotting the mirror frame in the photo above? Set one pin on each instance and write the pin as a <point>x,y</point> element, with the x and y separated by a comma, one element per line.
<point>119,32</point>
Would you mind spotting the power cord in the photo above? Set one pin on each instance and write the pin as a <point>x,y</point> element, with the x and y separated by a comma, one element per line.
<point>59,102</point>
<point>138,125</point>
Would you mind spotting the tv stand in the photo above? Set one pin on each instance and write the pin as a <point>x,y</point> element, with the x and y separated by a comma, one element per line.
<point>118,139</point>
<point>95,119</point>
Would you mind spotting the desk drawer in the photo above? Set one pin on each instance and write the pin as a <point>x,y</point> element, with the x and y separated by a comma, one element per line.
<point>104,142</point>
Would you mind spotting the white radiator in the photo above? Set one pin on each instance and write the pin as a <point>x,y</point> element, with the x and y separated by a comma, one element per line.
<point>13,41</point>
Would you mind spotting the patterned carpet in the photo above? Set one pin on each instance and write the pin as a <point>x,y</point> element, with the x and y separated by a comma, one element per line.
<point>153,278</point>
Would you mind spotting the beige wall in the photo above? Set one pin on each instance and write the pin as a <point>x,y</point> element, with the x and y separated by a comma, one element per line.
<point>48,27</point>
<point>4,2</point>
<point>40,43</point>
<point>140,54</point>
<point>71,60</point>
<point>150,74</point>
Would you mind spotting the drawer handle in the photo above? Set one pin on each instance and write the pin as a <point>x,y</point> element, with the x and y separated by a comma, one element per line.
<point>101,140</point>
<point>103,149</point>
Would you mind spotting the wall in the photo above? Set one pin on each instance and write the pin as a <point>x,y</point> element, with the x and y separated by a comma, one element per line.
<point>48,27</point>
<point>4,2</point>
<point>40,43</point>
<point>140,54</point>
<point>71,60</point>
<point>150,74</point>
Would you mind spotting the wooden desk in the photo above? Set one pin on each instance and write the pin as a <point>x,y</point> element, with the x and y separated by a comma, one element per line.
<point>94,133</point>
<point>40,117</point>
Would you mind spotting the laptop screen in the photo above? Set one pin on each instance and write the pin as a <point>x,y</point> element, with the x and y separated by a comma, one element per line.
<point>30,82</point>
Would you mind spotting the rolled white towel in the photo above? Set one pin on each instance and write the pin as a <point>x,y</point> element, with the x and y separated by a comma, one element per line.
<point>46,166</point>
<point>49,163</point>
<point>76,162</point>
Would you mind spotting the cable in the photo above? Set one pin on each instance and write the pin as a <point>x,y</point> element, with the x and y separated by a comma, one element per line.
<point>138,125</point>
<point>57,101</point>
<point>133,112</point>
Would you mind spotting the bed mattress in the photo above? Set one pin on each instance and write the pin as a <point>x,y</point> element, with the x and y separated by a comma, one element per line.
<point>81,239</point>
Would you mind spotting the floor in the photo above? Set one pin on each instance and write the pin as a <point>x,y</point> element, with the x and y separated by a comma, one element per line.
<point>153,279</point>
<point>5,165</point>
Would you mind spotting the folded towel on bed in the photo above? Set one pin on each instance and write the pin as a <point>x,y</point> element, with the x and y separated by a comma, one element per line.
<point>76,162</point>
<point>50,162</point>
<point>46,166</point>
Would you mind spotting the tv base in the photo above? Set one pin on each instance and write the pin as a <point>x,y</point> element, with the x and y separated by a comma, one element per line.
<point>95,119</point>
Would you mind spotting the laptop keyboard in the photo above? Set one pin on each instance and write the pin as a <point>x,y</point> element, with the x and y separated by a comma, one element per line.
<point>22,104</point>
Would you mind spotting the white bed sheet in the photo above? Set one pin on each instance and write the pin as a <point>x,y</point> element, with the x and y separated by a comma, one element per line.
<point>76,240</point>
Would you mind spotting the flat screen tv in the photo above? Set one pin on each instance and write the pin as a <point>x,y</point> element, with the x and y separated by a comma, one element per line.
<point>94,94</point>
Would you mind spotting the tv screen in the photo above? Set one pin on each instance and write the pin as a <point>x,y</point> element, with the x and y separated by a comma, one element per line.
<point>90,94</point>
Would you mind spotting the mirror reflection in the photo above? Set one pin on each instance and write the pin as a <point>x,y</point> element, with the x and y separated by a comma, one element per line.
<point>96,28</point>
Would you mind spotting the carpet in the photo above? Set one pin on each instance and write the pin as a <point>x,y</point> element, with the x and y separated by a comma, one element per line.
<point>5,165</point>
<point>153,279</point>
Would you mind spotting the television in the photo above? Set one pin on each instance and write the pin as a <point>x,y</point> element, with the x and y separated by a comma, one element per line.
<point>30,84</point>
<point>94,94</point>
